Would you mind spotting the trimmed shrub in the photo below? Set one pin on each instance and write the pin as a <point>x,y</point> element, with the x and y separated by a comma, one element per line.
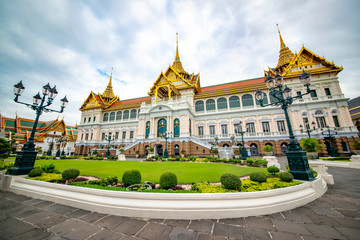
<point>273,170</point>
<point>258,177</point>
<point>36,172</point>
<point>49,168</point>
<point>70,173</point>
<point>230,181</point>
<point>286,176</point>
<point>168,180</point>
<point>131,177</point>
<point>249,161</point>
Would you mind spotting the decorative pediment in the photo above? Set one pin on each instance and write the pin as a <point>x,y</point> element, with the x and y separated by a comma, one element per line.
<point>91,102</point>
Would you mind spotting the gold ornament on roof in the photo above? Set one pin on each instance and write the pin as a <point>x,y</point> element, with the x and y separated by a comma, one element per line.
<point>109,93</point>
<point>285,55</point>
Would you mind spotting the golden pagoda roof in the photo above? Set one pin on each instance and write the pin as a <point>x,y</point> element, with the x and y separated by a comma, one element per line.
<point>177,66</point>
<point>109,93</point>
<point>285,54</point>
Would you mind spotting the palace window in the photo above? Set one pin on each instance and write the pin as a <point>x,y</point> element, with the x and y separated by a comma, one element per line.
<point>237,128</point>
<point>201,131</point>
<point>224,130</point>
<point>112,116</point>
<point>106,117</point>
<point>265,100</point>
<point>327,92</point>
<point>281,126</point>
<point>131,134</point>
<point>273,99</point>
<point>306,122</point>
<point>212,131</point>
<point>126,115</point>
<point>89,120</point>
<point>210,105</point>
<point>336,121</point>
<point>94,118</point>
<point>161,127</point>
<point>345,147</point>
<point>247,100</point>
<point>222,103</point>
<point>124,135</point>
<point>250,128</point>
<point>119,115</point>
<point>86,136</point>
<point>234,102</point>
<point>116,135</point>
<point>103,136</point>
<point>84,119</point>
<point>176,127</point>
<point>313,93</point>
<point>199,106</point>
<point>147,131</point>
<point>133,114</point>
<point>321,123</point>
<point>92,134</point>
<point>266,126</point>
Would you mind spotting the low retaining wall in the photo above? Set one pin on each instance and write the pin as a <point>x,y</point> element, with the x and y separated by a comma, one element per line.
<point>170,205</point>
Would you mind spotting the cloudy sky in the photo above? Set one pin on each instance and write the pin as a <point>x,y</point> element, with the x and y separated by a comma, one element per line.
<point>74,44</point>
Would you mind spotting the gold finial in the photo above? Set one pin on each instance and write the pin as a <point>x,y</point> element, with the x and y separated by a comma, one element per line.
<point>177,58</point>
<point>177,63</point>
<point>282,44</point>
<point>108,93</point>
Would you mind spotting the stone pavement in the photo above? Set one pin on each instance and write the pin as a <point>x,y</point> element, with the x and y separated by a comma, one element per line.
<point>333,216</point>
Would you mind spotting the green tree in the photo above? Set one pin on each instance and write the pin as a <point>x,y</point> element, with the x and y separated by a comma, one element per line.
<point>5,148</point>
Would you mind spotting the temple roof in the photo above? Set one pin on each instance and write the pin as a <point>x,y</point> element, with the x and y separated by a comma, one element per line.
<point>108,93</point>
<point>285,54</point>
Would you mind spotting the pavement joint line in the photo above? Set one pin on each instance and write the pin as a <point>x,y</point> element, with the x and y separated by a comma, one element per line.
<point>212,228</point>
<point>282,215</point>
<point>270,234</point>
<point>187,227</point>
<point>94,233</point>
<point>100,218</point>
<point>141,228</point>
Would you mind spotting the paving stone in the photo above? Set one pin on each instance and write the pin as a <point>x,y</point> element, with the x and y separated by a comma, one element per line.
<point>27,212</point>
<point>201,226</point>
<point>324,231</point>
<point>182,234</point>
<point>259,222</point>
<point>299,215</point>
<point>290,227</point>
<point>42,204</point>
<point>130,226</point>
<point>130,238</point>
<point>59,208</point>
<point>66,226</point>
<point>227,230</point>
<point>315,238</point>
<point>36,217</point>
<point>14,227</point>
<point>93,217</point>
<point>324,220</point>
<point>278,216</point>
<point>348,213</point>
<point>326,211</point>
<point>18,209</point>
<point>177,223</point>
<point>154,231</point>
<point>254,233</point>
<point>284,236</point>
<point>36,233</point>
<point>350,233</point>
<point>233,221</point>
<point>347,222</point>
<point>50,221</point>
<point>156,220</point>
<point>207,236</point>
<point>106,234</point>
<point>82,232</point>
<point>78,213</point>
<point>53,237</point>
<point>32,201</point>
<point>18,198</point>
<point>110,222</point>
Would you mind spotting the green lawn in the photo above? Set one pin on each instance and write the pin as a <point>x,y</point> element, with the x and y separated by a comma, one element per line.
<point>151,171</point>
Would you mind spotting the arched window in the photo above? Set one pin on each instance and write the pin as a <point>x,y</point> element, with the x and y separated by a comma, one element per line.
<point>199,106</point>
<point>147,132</point>
<point>161,127</point>
<point>176,127</point>
<point>133,114</point>
<point>222,103</point>
<point>126,115</point>
<point>247,100</point>
<point>234,102</point>
<point>210,105</point>
<point>106,117</point>
<point>119,115</point>
<point>112,116</point>
<point>273,99</point>
<point>265,100</point>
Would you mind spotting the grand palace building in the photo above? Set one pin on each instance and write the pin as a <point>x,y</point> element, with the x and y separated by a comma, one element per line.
<point>192,116</point>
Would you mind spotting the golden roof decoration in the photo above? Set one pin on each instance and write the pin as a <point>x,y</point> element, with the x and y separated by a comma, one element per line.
<point>285,54</point>
<point>177,63</point>
<point>108,93</point>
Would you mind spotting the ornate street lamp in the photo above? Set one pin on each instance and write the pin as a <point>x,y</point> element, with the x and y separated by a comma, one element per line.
<point>308,130</point>
<point>298,162</point>
<point>109,139</point>
<point>25,158</point>
<point>166,136</point>
<point>330,133</point>
<point>244,154</point>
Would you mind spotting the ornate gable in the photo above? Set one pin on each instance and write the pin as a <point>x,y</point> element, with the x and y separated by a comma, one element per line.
<point>91,102</point>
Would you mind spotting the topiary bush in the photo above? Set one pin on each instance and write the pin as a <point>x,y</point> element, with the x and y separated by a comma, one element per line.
<point>249,161</point>
<point>168,180</point>
<point>286,176</point>
<point>131,177</point>
<point>273,170</point>
<point>258,177</point>
<point>70,173</point>
<point>230,181</point>
<point>36,172</point>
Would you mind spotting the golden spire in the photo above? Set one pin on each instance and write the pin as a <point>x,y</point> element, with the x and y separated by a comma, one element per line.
<point>285,54</point>
<point>177,63</point>
<point>108,93</point>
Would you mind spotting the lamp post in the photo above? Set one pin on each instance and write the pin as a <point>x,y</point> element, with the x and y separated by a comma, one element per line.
<point>244,154</point>
<point>25,158</point>
<point>297,159</point>
<point>332,151</point>
<point>308,130</point>
<point>60,140</point>
<point>51,142</point>
<point>109,139</point>
<point>166,136</point>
